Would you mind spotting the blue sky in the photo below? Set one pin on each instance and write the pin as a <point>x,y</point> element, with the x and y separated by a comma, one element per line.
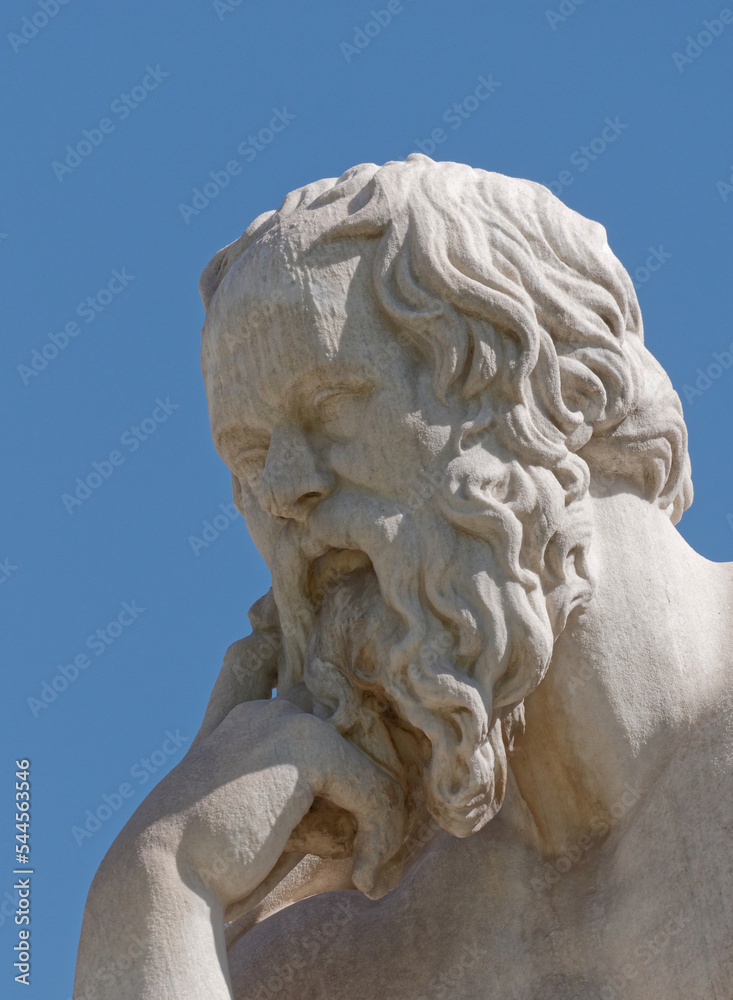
<point>114,116</point>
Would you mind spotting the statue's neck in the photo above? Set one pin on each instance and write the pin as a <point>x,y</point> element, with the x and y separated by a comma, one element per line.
<point>628,675</point>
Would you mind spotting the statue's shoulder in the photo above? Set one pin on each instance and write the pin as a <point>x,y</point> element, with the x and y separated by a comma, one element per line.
<point>685,814</point>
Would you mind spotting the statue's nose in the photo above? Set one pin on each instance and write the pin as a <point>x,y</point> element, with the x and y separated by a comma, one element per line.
<point>294,480</point>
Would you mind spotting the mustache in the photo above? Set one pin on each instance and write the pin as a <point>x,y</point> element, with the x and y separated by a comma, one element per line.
<point>340,535</point>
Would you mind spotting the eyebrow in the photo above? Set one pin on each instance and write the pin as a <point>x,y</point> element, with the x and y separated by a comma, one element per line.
<point>232,434</point>
<point>332,376</point>
<point>336,374</point>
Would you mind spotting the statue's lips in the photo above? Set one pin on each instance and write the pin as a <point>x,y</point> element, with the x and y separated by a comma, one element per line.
<point>325,571</point>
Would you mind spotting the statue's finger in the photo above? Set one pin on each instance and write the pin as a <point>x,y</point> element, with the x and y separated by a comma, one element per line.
<point>248,673</point>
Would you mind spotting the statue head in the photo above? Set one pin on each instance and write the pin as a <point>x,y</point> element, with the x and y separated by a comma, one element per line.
<point>419,374</point>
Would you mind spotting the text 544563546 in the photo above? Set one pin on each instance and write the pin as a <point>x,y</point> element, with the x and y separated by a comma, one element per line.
<point>22,886</point>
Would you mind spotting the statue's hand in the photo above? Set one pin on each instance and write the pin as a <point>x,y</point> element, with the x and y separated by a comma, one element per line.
<point>228,810</point>
<point>212,830</point>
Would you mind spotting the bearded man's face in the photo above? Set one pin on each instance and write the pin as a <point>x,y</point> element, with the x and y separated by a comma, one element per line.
<point>328,424</point>
<point>352,475</point>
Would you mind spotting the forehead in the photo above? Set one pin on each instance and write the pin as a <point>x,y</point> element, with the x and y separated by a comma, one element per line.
<point>271,323</point>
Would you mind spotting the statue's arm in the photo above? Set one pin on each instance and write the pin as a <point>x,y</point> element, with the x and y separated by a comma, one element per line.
<point>209,834</point>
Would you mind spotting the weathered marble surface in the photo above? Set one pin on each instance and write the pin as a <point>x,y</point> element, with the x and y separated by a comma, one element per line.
<point>500,759</point>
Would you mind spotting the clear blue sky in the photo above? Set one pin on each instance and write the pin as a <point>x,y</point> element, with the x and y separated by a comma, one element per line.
<point>169,94</point>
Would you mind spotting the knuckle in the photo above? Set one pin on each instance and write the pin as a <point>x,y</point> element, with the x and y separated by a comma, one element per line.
<point>302,727</point>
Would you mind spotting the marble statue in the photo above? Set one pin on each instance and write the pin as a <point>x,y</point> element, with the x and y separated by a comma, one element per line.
<point>499,759</point>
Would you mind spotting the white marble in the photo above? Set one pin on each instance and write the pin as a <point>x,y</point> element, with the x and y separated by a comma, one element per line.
<point>500,759</point>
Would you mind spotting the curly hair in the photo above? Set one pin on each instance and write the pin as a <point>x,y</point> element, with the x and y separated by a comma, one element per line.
<point>502,286</point>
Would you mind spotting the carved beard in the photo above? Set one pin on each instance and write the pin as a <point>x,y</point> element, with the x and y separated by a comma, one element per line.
<point>445,609</point>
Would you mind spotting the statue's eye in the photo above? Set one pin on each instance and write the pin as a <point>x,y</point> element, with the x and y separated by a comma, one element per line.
<point>329,401</point>
<point>249,465</point>
<point>337,408</point>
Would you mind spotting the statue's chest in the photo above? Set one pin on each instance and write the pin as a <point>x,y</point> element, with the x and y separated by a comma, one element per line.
<point>477,920</point>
